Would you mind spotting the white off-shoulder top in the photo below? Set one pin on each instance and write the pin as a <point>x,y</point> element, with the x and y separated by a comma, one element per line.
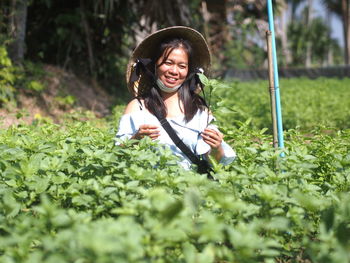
<point>188,132</point>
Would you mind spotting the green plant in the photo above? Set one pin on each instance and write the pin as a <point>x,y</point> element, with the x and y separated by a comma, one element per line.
<point>7,77</point>
<point>60,186</point>
<point>66,101</point>
<point>305,103</point>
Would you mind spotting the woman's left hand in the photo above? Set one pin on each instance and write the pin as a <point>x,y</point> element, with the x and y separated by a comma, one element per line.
<point>213,138</point>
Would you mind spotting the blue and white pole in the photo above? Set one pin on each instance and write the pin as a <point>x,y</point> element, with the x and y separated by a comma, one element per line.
<point>275,78</point>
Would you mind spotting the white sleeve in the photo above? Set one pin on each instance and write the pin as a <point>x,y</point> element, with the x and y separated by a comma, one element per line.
<point>229,153</point>
<point>127,128</point>
<point>201,121</point>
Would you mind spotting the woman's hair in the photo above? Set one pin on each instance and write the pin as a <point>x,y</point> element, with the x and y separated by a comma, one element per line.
<point>191,101</point>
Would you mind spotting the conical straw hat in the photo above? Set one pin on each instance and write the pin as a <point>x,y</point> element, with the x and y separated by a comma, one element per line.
<point>149,46</point>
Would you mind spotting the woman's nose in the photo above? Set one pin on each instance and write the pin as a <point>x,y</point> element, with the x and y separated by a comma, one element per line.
<point>173,69</point>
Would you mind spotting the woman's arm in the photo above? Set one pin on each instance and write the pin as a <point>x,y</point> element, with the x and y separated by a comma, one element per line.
<point>145,129</point>
<point>133,106</point>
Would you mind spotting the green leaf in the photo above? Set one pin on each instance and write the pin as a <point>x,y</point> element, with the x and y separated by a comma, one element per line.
<point>203,79</point>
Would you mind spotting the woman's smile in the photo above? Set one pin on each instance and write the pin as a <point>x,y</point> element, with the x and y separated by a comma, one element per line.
<point>170,79</point>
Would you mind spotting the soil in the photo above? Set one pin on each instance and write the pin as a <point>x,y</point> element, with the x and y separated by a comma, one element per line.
<point>52,102</point>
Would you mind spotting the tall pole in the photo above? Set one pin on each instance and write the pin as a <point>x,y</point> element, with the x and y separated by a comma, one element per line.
<point>272,90</point>
<point>275,77</point>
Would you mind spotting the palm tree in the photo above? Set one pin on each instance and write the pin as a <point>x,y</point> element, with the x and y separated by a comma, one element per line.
<point>308,23</point>
<point>258,11</point>
<point>342,9</point>
<point>294,5</point>
<point>284,36</point>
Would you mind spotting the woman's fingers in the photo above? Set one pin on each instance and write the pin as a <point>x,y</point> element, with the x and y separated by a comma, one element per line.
<point>148,126</point>
<point>148,130</point>
<point>212,142</point>
<point>154,136</point>
<point>212,137</point>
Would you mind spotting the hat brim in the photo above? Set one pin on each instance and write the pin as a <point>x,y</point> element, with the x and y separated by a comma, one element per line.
<point>148,47</point>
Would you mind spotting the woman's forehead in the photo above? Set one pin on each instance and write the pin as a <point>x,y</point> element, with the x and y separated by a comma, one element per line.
<point>179,51</point>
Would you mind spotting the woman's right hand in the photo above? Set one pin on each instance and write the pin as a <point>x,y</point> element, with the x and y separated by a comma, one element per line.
<point>149,130</point>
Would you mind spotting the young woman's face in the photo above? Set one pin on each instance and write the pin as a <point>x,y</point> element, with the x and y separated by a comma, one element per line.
<point>174,69</point>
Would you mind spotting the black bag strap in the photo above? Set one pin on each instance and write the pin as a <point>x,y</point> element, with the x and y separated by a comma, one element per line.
<point>178,142</point>
<point>203,166</point>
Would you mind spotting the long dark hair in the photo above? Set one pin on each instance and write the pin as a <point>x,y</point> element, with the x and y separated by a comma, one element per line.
<point>191,101</point>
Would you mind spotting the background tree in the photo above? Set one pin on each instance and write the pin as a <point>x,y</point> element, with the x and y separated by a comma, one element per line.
<point>17,22</point>
<point>216,29</point>
<point>309,17</point>
<point>283,30</point>
<point>95,37</point>
<point>154,14</point>
<point>85,36</point>
<point>294,4</point>
<point>317,36</point>
<point>248,25</point>
<point>341,8</point>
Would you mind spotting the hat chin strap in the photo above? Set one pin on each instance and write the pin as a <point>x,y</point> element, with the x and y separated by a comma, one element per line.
<point>164,88</point>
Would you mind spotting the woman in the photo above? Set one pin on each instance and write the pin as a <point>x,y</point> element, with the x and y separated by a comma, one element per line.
<point>162,75</point>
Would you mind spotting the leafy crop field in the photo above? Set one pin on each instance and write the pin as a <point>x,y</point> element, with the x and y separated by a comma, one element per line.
<point>306,103</point>
<point>69,195</point>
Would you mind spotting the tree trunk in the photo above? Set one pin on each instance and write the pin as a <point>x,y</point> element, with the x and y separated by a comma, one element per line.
<point>308,60</point>
<point>284,36</point>
<point>18,22</point>
<point>206,18</point>
<point>330,58</point>
<point>346,29</point>
<point>329,61</point>
<point>88,39</point>
<point>158,13</point>
<point>143,29</point>
<point>215,28</point>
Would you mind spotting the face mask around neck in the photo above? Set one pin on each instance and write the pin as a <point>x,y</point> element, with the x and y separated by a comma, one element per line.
<point>164,88</point>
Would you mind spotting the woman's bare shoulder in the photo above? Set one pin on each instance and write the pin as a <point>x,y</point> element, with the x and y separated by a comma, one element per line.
<point>133,106</point>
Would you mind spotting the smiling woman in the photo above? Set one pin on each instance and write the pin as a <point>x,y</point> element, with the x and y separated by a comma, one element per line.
<point>162,74</point>
<point>172,69</point>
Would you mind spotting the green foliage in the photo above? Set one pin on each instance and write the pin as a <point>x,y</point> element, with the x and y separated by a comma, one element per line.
<point>13,78</point>
<point>89,37</point>
<point>66,101</point>
<point>31,77</point>
<point>244,49</point>
<point>318,35</point>
<point>7,77</point>
<point>68,194</point>
<point>35,85</point>
<point>28,77</point>
<point>305,103</point>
